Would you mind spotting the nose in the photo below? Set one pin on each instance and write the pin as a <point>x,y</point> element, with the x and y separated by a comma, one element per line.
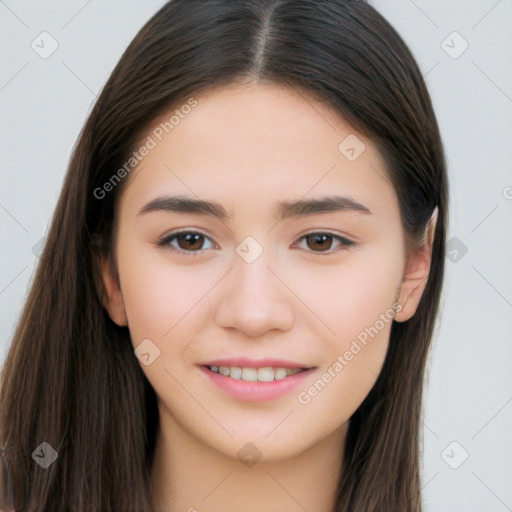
<point>254,300</point>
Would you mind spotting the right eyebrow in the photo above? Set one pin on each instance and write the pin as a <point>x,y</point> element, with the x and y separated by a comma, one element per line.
<point>185,204</point>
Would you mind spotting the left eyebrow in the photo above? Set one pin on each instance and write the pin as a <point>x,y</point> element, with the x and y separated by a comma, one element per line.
<point>327,204</point>
<point>284,209</point>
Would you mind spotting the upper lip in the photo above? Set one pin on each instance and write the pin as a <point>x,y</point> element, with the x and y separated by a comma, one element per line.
<point>244,362</point>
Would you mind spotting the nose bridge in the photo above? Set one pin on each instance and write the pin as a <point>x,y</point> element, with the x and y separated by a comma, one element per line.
<point>255,300</point>
<point>251,273</point>
<point>255,279</point>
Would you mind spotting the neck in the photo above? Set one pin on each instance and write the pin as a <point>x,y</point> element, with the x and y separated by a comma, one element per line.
<point>190,476</point>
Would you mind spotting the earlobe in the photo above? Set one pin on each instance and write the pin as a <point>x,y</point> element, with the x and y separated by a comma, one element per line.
<point>416,274</point>
<point>113,298</point>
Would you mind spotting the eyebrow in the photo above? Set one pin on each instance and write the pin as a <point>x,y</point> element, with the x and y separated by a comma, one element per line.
<point>283,210</point>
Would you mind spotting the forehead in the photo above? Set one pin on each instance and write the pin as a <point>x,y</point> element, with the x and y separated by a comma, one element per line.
<point>258,143</point>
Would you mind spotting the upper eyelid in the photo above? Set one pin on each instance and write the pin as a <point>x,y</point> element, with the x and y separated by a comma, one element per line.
<point>171,234</point>
<point>326,232</point>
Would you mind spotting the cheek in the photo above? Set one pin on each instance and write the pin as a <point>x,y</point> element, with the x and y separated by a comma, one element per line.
<point>354,300</point>
<point>160,296</point>
<point>350,295</point>
<point>166,304</point>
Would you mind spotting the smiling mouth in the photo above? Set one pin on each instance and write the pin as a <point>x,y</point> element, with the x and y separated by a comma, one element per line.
<point>265,374</point>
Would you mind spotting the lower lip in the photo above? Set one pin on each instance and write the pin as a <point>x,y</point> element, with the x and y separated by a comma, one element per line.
<point>256,391</point>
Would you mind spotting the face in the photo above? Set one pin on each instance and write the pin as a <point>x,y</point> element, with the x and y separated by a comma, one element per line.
<point>265,317</point>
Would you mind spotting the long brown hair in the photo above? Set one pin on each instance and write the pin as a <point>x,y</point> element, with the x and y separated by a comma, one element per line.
<point>71,378</point>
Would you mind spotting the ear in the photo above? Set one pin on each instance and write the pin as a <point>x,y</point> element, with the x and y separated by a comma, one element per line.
<point>113,298</point>
<point>416,273</point>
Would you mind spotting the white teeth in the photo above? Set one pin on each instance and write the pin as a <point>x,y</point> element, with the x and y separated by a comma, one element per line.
<point>249,374</point>
<point>279,373</point>
<point>266,374</point>
<point>235,372</point>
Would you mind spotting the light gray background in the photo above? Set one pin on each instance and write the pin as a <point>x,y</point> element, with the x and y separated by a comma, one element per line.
<point>44,102</point>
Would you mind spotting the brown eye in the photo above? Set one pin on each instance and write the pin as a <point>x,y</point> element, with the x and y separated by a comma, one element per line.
<point>190,241</point>
<point>187,243</point>
<point>319,242</point>
<point>323,242</point>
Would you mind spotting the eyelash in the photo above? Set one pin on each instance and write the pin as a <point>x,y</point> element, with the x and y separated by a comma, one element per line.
<point>165,241</point>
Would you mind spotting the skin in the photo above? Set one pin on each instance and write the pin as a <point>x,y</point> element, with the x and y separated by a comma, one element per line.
<point>247,147</point>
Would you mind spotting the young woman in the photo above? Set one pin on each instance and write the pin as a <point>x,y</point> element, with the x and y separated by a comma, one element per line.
<point>236,300</point>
